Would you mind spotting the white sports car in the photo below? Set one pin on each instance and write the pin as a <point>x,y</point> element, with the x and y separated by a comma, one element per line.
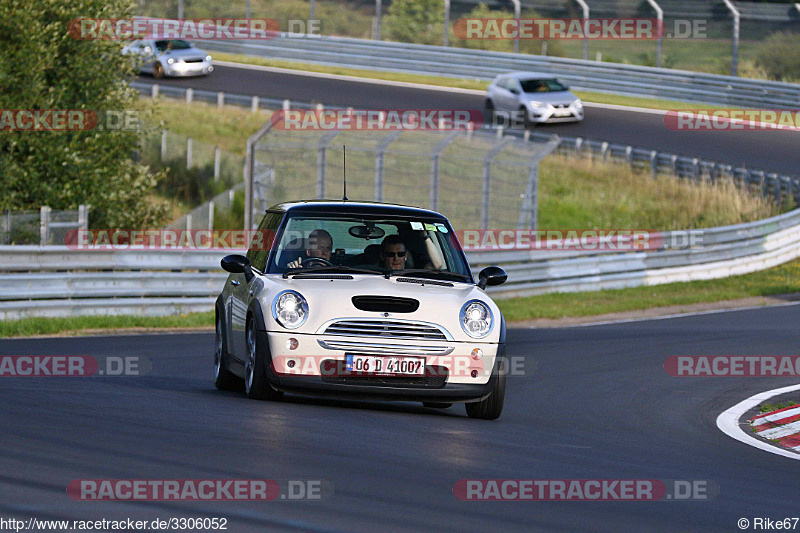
<point>361,300</point>
<point>170,57</point>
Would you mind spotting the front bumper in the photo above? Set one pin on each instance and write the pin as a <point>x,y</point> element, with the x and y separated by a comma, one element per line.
<point>551,114</point>
<point>180,69</point>
<point>317,367</point>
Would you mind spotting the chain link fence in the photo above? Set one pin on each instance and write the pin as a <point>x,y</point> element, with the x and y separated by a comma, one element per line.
<point>475,178</point>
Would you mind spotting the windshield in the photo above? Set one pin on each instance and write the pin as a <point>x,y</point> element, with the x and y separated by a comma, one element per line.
<point>172,44</point>
<point>542,86</point>
<point>379,245</point>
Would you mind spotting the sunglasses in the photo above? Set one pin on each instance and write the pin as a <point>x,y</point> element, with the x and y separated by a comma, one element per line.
<point>392,254</point>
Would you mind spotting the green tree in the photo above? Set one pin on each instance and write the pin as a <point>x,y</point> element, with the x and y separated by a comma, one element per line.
<point>415,21</point>
<point>779,56</point>
<point>43,67</point>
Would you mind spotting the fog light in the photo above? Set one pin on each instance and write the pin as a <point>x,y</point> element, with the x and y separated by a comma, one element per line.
<point>291,343</point>
<point>477,354</point>
<point>474,373</point>
<point>290,363</point>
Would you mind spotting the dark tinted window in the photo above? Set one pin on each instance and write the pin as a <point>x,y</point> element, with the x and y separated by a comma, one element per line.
<point>542,86</point>
<point>172,44</point>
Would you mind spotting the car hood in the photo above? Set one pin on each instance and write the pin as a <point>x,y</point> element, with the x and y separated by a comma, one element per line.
<point>332,299</point>
<point>554,98</point>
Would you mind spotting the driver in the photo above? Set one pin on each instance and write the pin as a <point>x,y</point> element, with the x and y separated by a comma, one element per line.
<point>319,245</point>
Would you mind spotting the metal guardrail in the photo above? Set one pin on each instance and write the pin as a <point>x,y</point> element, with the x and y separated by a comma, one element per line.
<point>146,281</point>
<point>631,80</point>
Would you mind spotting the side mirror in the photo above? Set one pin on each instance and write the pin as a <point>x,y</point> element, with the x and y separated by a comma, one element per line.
<point>237,264</point>
<point>514,90</point>
<point>492,275</point>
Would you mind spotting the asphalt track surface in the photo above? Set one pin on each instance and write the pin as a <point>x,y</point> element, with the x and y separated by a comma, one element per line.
<point>595,403</point>
<point>767,150</point>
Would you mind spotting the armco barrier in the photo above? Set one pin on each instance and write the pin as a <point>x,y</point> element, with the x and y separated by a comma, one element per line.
<point>59,281</point>
<point>632,80</point>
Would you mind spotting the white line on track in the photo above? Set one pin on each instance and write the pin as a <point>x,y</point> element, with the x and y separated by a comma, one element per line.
<point>728,421</point>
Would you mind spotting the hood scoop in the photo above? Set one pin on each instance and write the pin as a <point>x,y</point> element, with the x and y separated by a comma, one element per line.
<point>386,304</point>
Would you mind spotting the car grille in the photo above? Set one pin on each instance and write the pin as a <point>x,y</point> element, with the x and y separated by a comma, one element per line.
<point>389,329</point>
<point>336,372</point>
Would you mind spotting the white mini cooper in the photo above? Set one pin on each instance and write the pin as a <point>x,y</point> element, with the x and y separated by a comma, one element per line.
<point>360,300</point>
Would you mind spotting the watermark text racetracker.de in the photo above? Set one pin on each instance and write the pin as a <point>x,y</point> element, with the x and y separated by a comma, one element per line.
<point>584,490</point>
<point>377,119</point>
<point>122,524</point>
<point>576,239</point>
<point>198,489</point>
<point>73,366</point>
<point>59,120</point>
<point>733,365</point>
<point>732,119</point>
<point>577,28</point>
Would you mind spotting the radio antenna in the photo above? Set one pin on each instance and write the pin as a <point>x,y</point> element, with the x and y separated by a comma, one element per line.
<point>344,172</point>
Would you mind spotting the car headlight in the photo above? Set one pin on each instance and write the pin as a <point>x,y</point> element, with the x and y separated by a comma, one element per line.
<point>170,61</point>
<point>208,58</point>
<point>290,309</point>
<point>535,104</point>
<point>577,103</point>
<point>476,319</point>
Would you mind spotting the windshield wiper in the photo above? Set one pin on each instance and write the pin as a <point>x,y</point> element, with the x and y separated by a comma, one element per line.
<point>330,269</point>
<point>436,274</point>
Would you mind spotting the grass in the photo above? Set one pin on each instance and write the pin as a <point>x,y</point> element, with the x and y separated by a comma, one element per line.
<point>769,407</point>
<point>27,327</point>
<point>783,279</point>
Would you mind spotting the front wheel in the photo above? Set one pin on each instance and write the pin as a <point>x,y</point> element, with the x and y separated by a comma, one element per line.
<point>158,70</point>
<point>255,371</point>
<point>491,407</point>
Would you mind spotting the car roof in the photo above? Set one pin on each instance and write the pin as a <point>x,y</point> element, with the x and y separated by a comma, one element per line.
<point>527,75</point>
<point>354,208</point>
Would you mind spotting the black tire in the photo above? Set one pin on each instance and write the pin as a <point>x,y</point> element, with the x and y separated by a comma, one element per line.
<point>437,405</point>
<point>256,384</point>
<point>158,70</point>
<point>223,378</point>
<point>491,407</point>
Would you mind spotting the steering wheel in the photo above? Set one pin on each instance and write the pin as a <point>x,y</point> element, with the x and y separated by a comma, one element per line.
<point>316,261</point>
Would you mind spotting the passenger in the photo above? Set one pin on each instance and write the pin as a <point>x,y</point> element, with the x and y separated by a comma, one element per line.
<point>319,245</point>
<point>394,253</point>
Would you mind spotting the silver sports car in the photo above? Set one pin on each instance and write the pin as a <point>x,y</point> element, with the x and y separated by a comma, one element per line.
<point>170,57</point>
<point>532,97</point>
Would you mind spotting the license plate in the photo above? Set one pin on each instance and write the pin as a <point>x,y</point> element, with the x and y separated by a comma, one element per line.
<point>371,364</point>
<point>562,113</point>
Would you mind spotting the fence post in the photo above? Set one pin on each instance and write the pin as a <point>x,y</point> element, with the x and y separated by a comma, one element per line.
<point>163,145</point>
<point>376,34</point>
<point>154,91</point>
<point>604,150</point>
<point>654,163</point>
<point>211,215</point>
<point>254,104</point>
<point>629,155</point>
<point>380,150</point>
<point>188,153</point>
<point>189,95</point>
<point>44,225</point>
<point>189,221</point>
<point>217,153</point>
<point>83,217</point>
<point>286,105</point>
<point>487,179</point>
<point>220,99</point>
